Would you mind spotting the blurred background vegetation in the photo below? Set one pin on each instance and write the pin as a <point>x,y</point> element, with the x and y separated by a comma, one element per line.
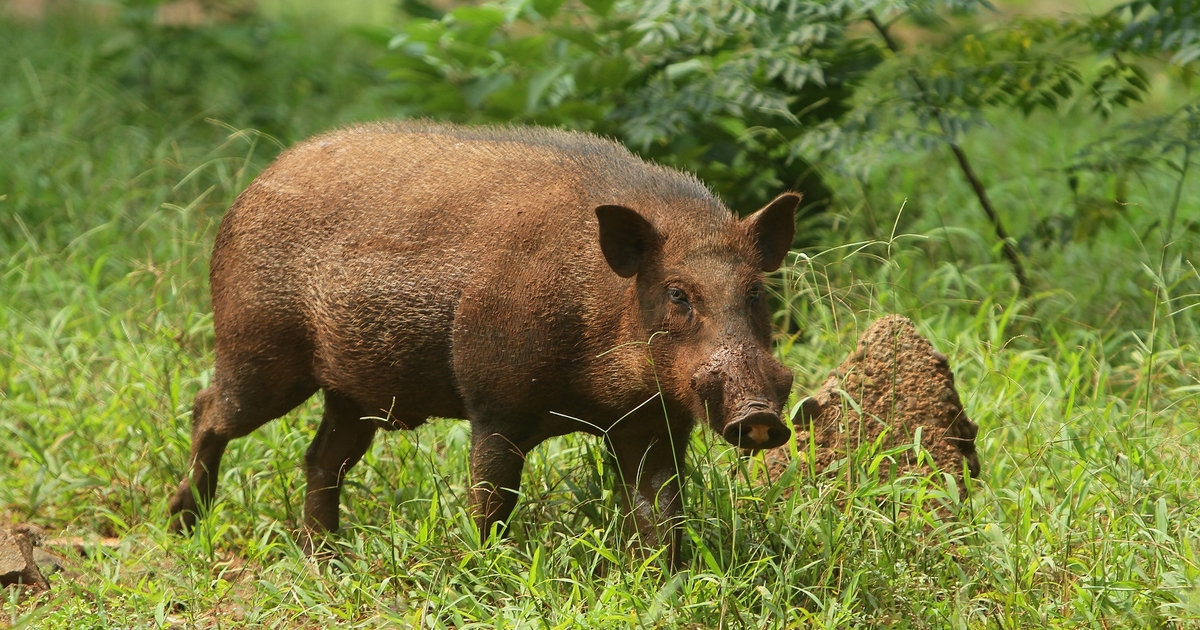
<point>891,117</point>
<point>1016,177</point>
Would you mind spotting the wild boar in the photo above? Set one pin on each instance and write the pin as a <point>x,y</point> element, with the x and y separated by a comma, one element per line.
<point>535,282</point>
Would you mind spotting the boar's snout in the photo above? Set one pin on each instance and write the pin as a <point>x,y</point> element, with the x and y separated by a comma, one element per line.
<point>743,390</point>
<point>757,428</point>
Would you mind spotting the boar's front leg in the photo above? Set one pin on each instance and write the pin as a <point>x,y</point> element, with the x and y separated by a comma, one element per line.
<point>650,466</point>
<point>497,458</point>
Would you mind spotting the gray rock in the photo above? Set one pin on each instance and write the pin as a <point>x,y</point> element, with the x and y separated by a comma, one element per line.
<point>17,565</point>
<point>12,560</point>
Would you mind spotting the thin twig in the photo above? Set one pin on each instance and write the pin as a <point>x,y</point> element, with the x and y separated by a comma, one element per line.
<point>1167,281</point>
<point>1010,251</point>
<point>1187,160</point>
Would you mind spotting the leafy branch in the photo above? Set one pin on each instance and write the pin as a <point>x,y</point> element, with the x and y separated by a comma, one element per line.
<point>722,89</point>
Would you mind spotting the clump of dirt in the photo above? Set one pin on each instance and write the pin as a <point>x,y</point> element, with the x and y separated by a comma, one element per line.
<point>894,381</point>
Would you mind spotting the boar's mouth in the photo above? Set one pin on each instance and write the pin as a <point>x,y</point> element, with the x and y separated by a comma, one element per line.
<point>756,428</point>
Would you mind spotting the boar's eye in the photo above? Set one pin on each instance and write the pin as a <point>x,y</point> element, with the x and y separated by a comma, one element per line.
<point>677,296</point>
<point>754,295</point>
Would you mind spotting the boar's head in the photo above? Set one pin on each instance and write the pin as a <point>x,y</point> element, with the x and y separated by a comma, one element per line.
<point>703,308</point>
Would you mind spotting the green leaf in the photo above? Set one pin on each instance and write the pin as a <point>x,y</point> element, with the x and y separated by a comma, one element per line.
<point>579,36</point>
<point>611,72</point>
<point>528,52</point>
<point>547,8</point>
<point>600,7</point>
<point>477,90</point>
<point>419,9</point>
<point>682,69</point>
<point>539,83</point>
<point>489,15</point>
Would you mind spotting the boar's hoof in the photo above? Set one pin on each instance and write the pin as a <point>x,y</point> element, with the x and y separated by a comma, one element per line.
<point>756,430</point>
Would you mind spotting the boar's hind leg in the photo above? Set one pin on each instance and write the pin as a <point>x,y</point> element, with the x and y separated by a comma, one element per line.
<point>230,408</point>
<point>341,441</point>
<point>649,469</point>
<point>497,458</point>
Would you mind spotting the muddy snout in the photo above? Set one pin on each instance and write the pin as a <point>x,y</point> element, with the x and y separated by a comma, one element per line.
<point>743,390</point>
<point>757,427</point>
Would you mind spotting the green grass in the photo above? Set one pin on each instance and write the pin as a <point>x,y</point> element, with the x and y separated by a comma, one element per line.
<point>1086,514</point>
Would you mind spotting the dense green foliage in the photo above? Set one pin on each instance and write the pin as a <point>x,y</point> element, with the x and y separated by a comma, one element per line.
<point>721,89</point>
<point>752,95</point>
<point>124,142</point>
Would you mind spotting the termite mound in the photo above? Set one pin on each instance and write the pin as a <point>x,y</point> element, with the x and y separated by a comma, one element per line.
<point>895,381</point>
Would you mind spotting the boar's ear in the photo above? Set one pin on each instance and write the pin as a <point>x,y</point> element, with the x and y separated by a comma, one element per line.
<point>772,228</point>
<point>626,237</point>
